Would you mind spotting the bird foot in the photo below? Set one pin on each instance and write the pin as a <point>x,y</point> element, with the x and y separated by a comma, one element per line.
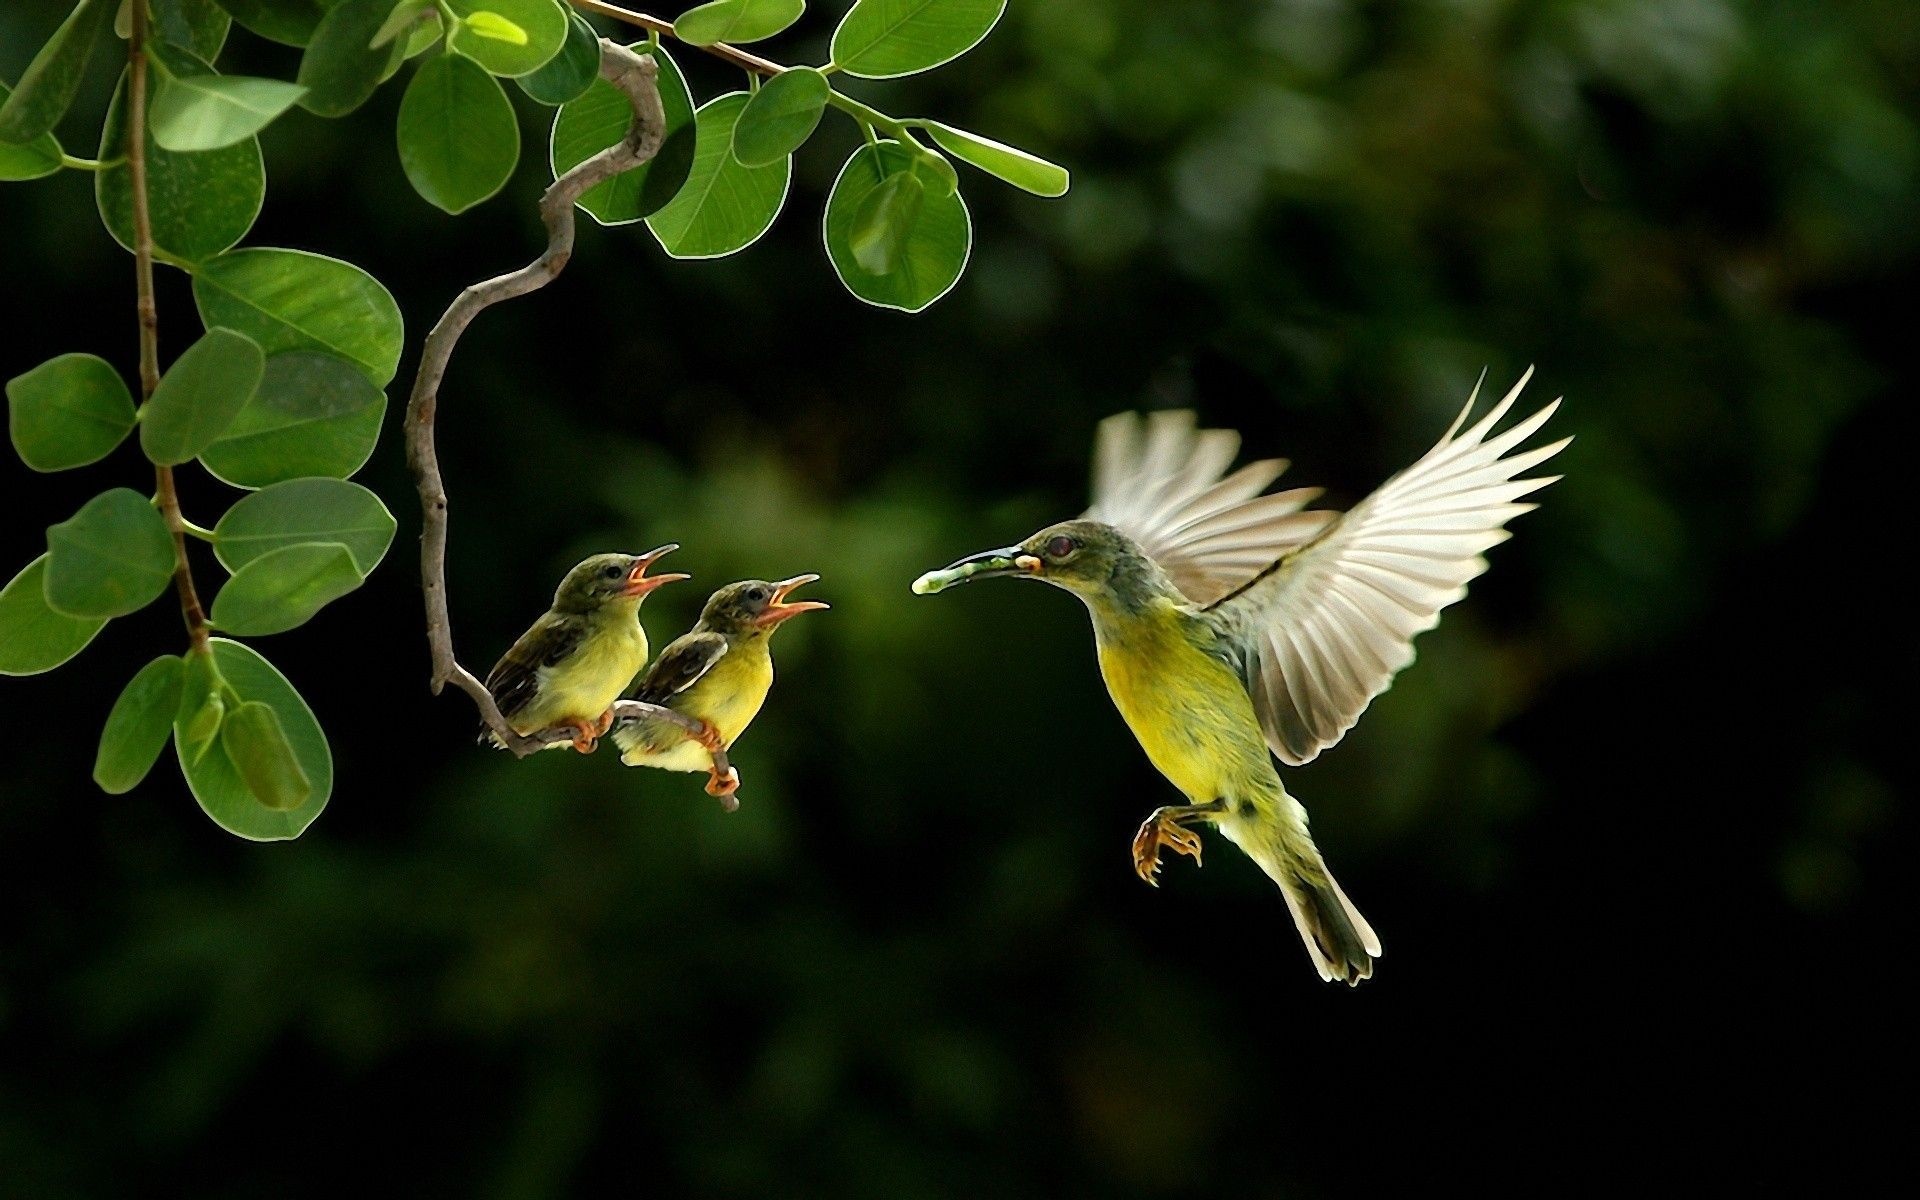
<point>725,786</point>
<point>1162,831</point>
<point>586,735</point>
<point>709,738</point>
<point>604,723</point>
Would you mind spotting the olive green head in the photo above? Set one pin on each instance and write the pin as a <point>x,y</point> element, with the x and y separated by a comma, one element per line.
<point>755,606</point>
<point>611,579</point>
<point>1088,558</point>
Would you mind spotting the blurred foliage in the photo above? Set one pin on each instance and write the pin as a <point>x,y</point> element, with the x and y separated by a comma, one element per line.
<point>1636,805</point>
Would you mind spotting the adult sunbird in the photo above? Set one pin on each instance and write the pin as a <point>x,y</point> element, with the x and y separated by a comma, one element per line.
<point>1229,623</point>
<point>718,673</point>
<point>569,668</point>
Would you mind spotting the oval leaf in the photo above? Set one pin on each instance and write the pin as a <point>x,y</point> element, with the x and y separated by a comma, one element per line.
<point>289,22</point>
<point>292,300</point>
<point>736,20</point>
<point>138,727</point>
<point>48,85</point>
<point>68,412</point>
<point>601,117</point>
<point>884,219</point>
<point>1014,165</point>
<point>487,27</point>
<point>725,205</point>
<point>882,39</point>
<point>284,588</point>
<point>198,26</point>
<point>202,708</point>
<point>780,117</point>
<point>304,511</point>
<point>200,204</point>
<point>257,747</point>
<point>199,396</point>
<point>217,783</point>
<point>113,557</point>
<point>34,636</point>
<point>458,137</point>
<point>313,415</point>
<point>934,247</point>
<point>194,112</point>
<point>28,160</point>
<point>568,74</point>
<point>341,67</point>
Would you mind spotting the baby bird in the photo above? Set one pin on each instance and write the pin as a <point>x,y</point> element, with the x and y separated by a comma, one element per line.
<point>718,674</point>
<point>570,667</point>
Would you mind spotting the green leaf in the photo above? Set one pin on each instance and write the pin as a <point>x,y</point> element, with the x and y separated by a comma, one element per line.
<point>48,85</point>
<point>736,20</point>
<point>217,783</point>
<point>68,411</point>
<point>405,17</point>
<point>1014,165</point>
<point>932,168</point>
<point>780,117</point>
<point>138,727</point>
<point>341,68</point>
<point>601,117</point>
<point>458,137</point>
<point>568,74</point>
<point>292,300</point>
<point>934,246</point>
<point>35,636</point>
<point>313,415</point>
<point>113,557</point>
<point>284,588</point>
<point>882,39</point>
<point>290,22</point>
<point>725,205</point>
<point>542,25</point>
<point>28,160</point>
<point>198,26</point>
<point>193,112</point>
<point>202,707</point>
<point>200,204</point>
<point>199,396</point>
<point>258,748</point>
<point>883,221</point>
<point>301,512</point>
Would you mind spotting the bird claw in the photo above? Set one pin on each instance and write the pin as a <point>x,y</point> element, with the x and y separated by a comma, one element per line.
<point>1162,831</point>
<point>709,738</point>
<point>724,786</point>
<point>586,736</point>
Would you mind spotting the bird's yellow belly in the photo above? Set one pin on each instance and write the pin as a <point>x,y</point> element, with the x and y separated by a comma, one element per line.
<point>586,684</point>
<point>1191,714</point>
<point>728,698</point>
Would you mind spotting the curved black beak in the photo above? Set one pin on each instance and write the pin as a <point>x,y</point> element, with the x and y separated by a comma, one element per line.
<point>1008,560</point>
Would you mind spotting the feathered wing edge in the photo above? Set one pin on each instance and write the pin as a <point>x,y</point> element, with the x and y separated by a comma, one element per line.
<point>1335,621</point>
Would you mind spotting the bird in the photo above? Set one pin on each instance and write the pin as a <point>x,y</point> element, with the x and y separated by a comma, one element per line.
<point>718,674</point>
<point>1234,627</point>
<point>573,663</point>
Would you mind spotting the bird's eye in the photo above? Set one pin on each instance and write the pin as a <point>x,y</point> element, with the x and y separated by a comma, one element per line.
<point>611,572</point>
<point>756,595</point>
<point>1061,546</point>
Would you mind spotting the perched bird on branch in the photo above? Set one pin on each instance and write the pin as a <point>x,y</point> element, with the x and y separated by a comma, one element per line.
<point>718,674</point>
<point>569,668</point>
<point>1229,623</point>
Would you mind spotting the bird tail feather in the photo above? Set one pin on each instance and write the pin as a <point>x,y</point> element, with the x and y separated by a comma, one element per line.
<point>1338,939</point>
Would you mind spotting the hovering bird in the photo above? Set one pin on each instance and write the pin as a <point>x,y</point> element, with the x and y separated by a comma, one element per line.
<point>569,668</point>
<point>1230,623</point>
<point>718,673</point>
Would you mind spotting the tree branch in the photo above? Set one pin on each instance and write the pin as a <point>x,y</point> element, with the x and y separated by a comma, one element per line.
<point>635,75</point>
<point>740,58</point>
<point>165,496</point>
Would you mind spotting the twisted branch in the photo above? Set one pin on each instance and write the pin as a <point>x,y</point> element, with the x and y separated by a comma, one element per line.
<point>635,75</point>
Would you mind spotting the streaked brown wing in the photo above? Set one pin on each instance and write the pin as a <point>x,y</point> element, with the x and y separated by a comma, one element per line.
<point>680,666</point>
<point>515,679</point>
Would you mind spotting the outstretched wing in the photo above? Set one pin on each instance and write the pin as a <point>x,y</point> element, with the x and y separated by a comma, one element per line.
<point>1334,621</point>
<point>515,679</point>
<point>1160,481</point>
<point>679,666</point>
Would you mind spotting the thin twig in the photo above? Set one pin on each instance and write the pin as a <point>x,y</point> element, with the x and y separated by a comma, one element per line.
<point>743,59</point>
<point>164,493</point>
<point>635,75</point>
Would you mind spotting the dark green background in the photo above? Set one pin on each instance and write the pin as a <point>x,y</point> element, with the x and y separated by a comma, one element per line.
<point>1632,828</point>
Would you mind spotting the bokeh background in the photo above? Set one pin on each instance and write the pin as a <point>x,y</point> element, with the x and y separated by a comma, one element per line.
<point>1635,828</point>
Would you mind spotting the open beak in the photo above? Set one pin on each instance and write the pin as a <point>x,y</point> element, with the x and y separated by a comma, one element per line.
<point>778,609</point>
<point>1008,560</point>
<point>639,583</point>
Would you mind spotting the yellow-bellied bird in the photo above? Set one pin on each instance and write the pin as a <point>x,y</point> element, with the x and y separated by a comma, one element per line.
<point>1229,623</point>
<point>718,674</point>
<point>569,668</point>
